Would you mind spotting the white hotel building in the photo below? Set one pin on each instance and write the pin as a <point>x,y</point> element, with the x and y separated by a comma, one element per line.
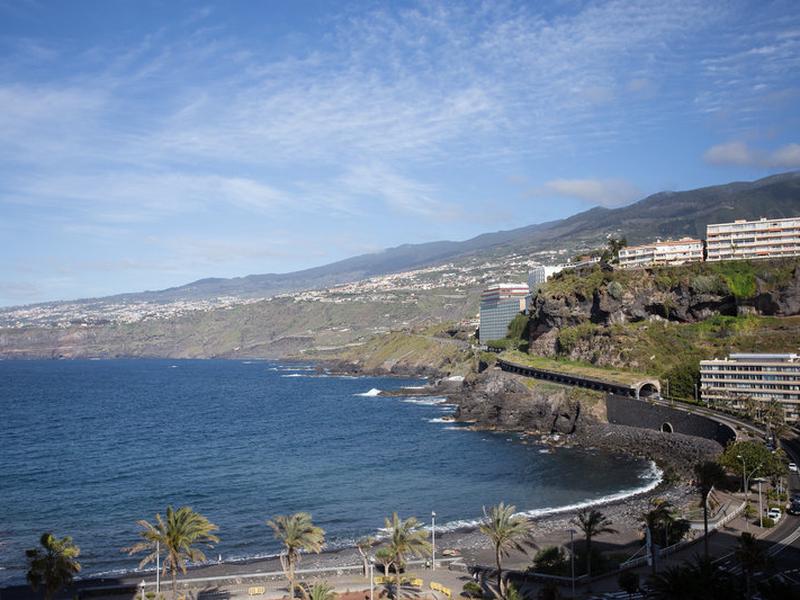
<point>500,303</point>
<point>765,238</point>
<point>662,253</point>
<point>762,377</point>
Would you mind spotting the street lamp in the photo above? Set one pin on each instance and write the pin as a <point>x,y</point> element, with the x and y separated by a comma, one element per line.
<point>744,470</point>
<point>744,485</point>
<point>158,567</point>
<point>746,479</point>
<point>572,557</point>
<point>760,480</point>
<point>433,541</point>
<point>371,578</point>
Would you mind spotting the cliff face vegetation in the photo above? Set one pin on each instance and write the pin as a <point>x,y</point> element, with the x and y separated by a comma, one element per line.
<point>662,321</point>
<point>423,352</point>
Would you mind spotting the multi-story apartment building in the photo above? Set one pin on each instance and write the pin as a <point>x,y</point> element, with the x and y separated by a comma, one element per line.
<point>761,377</point>
<point>536,277</point>
<point>499,305</point>
<point>668,252</point>
<point>765,238</point>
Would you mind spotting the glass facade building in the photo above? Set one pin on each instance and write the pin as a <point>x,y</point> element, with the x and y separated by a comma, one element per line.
<point>499,305</point>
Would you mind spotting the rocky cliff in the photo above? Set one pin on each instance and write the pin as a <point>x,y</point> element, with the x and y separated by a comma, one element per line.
<point>615,317</point>
<point>501,401</point>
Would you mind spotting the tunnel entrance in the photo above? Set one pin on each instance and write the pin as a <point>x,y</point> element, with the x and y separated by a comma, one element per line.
<point>648,390</point>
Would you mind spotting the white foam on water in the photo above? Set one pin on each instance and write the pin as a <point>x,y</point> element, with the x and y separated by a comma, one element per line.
<point>425,401</point>
<point>653,473</point>
<point>440,420</point>
<point>294,375</point>
<point>370,394</point>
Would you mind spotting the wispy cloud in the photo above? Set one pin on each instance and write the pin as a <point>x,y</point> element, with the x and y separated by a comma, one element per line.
<point>739,153</point>
<point>602,192</point>
<point>407,114</point>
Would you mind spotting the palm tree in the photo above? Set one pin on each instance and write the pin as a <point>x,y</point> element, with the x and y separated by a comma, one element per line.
<point>363,545</point>
<point>507,531</point>
<point>52,566</point>
<point>175,536</point>
<point>321,590</point>
<point>752,557</point>
<point>708,474</point>
<point>296,532</point>
<point>405,537</point>
<point>657,518</point>
<point>592,523</point>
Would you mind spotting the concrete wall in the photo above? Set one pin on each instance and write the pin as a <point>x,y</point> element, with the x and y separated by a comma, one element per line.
<point>637,413</point>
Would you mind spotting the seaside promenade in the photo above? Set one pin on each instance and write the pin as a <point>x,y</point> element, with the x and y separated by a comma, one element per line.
<point>782,544</point>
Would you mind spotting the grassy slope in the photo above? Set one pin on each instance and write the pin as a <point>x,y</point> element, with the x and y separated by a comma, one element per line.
<point>656,348</point>
<point>410,350</point>
<point>662,349</point>
<point>738,278</point>
<point>582,369</point>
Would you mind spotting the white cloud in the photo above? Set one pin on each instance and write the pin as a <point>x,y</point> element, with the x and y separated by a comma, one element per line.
<point>730,153</point>
<point>740,154</point>
<point>122,197</point>
<point>603,192</point>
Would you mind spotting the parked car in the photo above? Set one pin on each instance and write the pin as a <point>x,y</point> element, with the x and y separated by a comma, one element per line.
<point>793,467</point>
<point>774,514</point>
<point>794,508</point>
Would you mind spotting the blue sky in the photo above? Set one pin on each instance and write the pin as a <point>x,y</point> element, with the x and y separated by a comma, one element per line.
<point>148,144</point>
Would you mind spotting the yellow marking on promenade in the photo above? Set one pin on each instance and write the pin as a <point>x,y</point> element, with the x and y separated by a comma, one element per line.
<point>256,590</point>
<point>438,587</point>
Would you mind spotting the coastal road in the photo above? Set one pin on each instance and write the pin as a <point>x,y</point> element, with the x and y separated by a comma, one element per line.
<point>735,423</point>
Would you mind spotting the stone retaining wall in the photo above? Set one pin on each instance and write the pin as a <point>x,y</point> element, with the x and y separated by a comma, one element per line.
<point>637,413</point>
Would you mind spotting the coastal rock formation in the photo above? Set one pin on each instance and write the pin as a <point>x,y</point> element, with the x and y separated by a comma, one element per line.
<point>498,400</point>
<point>502,401</point>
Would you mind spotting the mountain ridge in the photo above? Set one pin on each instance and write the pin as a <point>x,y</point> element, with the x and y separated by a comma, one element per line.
<point>663,214</point>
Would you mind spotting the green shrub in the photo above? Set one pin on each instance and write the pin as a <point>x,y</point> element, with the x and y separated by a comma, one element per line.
<point>739,276</point>
<point>615,290</point>
<point>709,284</point>
<point>682,379</point>
<point>568,337</point>
<point>768,522</point>
<point>551,561</point>
<point>518,328</point>
<point>473,590</point>
<point>503,344</point>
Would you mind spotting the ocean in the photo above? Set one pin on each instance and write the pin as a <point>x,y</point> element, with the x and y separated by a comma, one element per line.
<point>88,447</point>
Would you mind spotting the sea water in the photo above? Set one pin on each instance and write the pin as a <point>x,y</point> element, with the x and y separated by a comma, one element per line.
<point>87,448</point>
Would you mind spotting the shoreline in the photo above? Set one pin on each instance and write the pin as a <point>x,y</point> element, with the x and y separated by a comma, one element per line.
<point>469,542</point>
<point>466,539</point>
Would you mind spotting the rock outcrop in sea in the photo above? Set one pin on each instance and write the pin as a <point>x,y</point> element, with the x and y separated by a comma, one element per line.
<point>502,401</point>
